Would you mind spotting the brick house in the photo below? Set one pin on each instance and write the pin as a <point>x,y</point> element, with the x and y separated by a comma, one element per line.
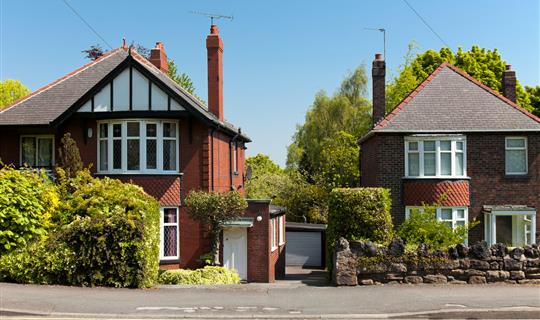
<point>134,123</point>
<point>456,140</point>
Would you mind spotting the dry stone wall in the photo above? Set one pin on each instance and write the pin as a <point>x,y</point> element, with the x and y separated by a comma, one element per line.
<point>364,263</point>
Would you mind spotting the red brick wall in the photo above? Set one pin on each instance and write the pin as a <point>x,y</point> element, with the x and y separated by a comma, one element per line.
<point>446,192</point>
<point>9,147</point>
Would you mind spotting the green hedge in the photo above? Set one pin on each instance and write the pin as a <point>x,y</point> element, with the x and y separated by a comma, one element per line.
<point>207,275</point>
<point>107,233</point>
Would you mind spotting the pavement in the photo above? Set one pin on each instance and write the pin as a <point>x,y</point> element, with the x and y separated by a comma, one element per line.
<point>302,295</point>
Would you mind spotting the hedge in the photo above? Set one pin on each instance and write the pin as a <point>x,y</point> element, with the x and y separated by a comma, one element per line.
<point>207,275</point>
<point>108,235</point>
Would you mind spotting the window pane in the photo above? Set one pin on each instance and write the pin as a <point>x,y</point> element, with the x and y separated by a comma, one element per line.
<point>413,146</point>
<point>429,164</point>
<point>446,214</point>
<point>29,151</point>
<point>459,164</point>
<point>169,130</point>
<point>151,162</point>
<point>515,161</point>
<point>103,155</point>
<point>414,165</point>
<point>429,145</point>
<point>169,215</point>
<point>515,143</point>
<point>459,146</point>
<point>133,129</point>
<point>104,130</point>
<point>117,130</point>
<point>117,154</point>
<point>446,163</point>
<point>170,239</point>
<point>151,130</point>
<point>45,151</point>
<point>169,154</point>
<point>460,223</point>
<point>460,214</point>
<point>446,145</point>
<point>133,154</point>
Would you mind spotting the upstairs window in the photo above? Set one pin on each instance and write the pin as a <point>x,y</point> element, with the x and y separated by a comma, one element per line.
<point>138,146</point>
<point>435,157</point>
<point>37,151</point>
<point>516,155</point>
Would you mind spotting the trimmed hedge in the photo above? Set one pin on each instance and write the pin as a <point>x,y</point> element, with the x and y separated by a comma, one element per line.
<point>107,233</point>
<point>207,275</point>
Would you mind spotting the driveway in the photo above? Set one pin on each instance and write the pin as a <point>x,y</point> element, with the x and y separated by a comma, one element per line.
<point>281,300</point>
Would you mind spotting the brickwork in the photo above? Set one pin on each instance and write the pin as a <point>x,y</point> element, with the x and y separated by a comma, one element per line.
<point>450,193</point>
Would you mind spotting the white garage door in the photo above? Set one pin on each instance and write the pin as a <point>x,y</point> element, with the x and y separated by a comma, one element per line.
<point>303,249</point>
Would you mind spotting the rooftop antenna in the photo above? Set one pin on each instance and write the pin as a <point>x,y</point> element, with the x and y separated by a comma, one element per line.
<point>384,38</point>
<point>212,16</point>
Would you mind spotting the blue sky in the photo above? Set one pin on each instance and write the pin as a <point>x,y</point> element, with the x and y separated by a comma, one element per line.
<point>278,54</point>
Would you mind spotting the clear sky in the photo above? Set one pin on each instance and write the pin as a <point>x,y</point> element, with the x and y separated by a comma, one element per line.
<point>277,55</point>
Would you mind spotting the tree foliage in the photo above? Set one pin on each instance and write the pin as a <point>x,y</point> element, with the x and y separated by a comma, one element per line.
<point>180,77</point>
<point>267,178</point>
<point>11,91</point>
<point>212,209</point>
<point>94,52</point>
<point>485,65</point>
<point>70,157</point>
<point>534,97</point>
<point>348,111</point>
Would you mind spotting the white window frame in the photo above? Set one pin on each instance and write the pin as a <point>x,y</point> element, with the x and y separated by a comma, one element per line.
<point>273,230</point>
<point>524,148</point>
<point>490,223</point>
<point>142,146</point>
<point>438,213</point>
<point>437,139</point>
<point>162,226</point>
<point>281,228</point>
<point>36,137</point>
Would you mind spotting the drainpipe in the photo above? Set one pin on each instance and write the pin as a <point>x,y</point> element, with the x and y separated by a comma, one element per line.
<point>231,152</point>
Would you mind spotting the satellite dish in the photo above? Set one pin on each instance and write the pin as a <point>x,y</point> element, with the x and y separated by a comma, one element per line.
<point>249,173</point>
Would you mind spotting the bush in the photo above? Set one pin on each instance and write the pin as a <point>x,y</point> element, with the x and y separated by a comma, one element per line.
<point>27,200</point>
<point>422,227</point>
<point>207,275</point>
<point>114,234</point>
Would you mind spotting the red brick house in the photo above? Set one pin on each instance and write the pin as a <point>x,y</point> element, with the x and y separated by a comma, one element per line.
<point>134,123</point>
<point>455,137</point>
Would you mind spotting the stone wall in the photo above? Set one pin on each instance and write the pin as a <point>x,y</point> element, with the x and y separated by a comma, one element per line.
<point>364,263</point>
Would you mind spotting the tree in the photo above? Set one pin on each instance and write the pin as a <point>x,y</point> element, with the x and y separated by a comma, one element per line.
<point>485,65</point>
<point>340,161</point>
<point>212,209</point>
<point>534,96</point>
<point>70,157</point>
<point>181,78</point>
<point>267,178</point>
<point>11,91</point>
<point>348,110</point>
<point>94,52</point>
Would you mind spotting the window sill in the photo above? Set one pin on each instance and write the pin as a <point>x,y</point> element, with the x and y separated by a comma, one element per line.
<point>172,261</point>
<point>139,173</point>
<point>437,178</point>
<point>524,176</point>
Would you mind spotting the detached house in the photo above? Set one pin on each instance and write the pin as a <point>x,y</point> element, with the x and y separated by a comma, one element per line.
<point>456,140</point>
<point>132,122</point>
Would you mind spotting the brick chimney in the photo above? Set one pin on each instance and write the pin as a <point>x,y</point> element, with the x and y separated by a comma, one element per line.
<point>378,73</point>
<point>509,83</point>
<point>214,46</point>
<point>158,57</point>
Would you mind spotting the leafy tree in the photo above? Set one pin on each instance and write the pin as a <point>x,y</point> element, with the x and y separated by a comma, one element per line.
<point>70,157</point>
<point>340,160</point>
<point>267,178</point>
<point>534,97</point>
<point>11,91</point>
<point>485,65</point>
<point>181,78</point>
<point>212,209</point>
<point>94,52</point>
<point>348,110</point>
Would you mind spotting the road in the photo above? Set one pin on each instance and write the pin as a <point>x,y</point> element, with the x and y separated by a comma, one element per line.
<point>281,300</point>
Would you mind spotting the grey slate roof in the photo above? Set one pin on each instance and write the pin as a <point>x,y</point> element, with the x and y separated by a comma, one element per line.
<point>45,105</point>
<point>452,101</point>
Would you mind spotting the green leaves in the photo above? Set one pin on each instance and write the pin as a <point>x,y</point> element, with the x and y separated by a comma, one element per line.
<point>208,275</point>
<point>11,91</point>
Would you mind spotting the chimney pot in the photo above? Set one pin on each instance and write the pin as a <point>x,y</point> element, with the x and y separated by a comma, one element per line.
<point>509,83</point>
<point>378,56</point>
<point>214,29</point>
<point>508,67</point>
<point>378,73</point>
<point>158,57</point>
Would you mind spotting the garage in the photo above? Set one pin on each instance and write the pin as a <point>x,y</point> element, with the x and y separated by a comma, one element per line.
<point>305,244</point>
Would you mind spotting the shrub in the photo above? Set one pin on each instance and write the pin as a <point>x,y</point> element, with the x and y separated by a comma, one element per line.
<point>27,199</point>
<point>422,227</point>
<point>207,275</point>
<point>114,234</point>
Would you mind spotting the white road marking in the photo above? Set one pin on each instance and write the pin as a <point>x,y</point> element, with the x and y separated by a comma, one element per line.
<point>295,312</point>
<point>269,309</point>
<point>166,308</point>
<point>455,305</point>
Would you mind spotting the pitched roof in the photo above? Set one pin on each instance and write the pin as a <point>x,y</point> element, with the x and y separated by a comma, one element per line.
<point>49,103</point>
<point>450,100</point>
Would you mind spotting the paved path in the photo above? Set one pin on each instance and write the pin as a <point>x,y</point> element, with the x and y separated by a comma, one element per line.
<point>284,299</point>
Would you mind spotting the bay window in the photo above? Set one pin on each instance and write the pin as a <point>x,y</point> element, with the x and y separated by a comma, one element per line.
<point>435,157</point>
<point>452,217</point>
<point>169,234</point>
<point>37,151</point>
<point>138,146</point>
<point>516,155</point>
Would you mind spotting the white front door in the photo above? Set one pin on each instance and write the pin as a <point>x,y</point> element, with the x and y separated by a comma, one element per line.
<point>235,250</point>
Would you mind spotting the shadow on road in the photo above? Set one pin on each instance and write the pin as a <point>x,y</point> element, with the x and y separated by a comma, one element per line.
<point>308,276</point>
